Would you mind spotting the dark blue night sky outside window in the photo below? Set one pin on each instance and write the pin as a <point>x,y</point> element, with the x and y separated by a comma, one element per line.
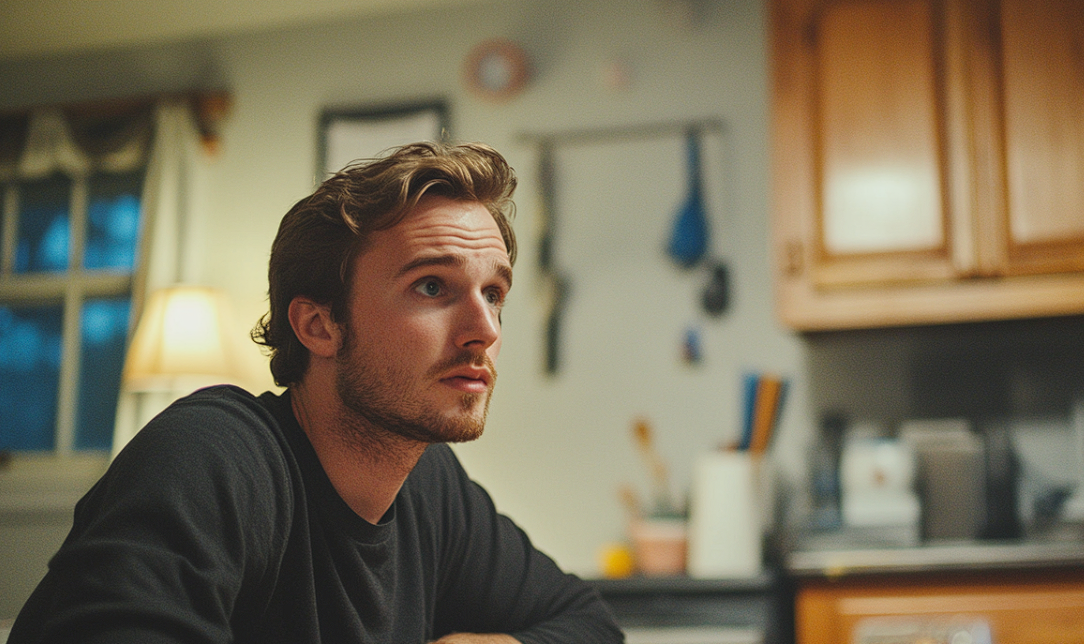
<point>104,330</point>
<point>29,376</point>
<point>44,224</point>
<point>113,222</point>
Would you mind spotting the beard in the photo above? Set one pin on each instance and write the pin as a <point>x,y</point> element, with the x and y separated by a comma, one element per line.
<point>388,398</point>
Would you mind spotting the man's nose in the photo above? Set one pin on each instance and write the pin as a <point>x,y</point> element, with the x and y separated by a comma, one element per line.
<point>480,324</point>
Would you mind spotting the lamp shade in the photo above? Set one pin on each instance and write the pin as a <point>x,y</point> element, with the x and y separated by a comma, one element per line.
<point>181,339</point>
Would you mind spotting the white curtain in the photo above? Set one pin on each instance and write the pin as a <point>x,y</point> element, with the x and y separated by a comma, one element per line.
<point>173,170</point>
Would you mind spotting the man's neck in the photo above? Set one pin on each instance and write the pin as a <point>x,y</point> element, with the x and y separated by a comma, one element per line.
<point>366,465</point>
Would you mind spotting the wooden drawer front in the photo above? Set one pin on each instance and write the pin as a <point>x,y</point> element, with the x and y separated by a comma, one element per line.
<point>1015,613</point>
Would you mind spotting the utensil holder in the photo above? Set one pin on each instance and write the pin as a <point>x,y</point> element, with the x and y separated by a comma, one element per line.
<point>725,535</point>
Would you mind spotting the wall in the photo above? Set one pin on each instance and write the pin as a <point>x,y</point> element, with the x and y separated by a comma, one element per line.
<point>556,448</point>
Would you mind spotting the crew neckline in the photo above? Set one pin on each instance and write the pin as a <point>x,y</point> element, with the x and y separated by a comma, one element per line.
<point>319,490</point>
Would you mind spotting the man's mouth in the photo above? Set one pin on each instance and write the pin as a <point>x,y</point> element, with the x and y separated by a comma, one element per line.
<point>475,381</point>
<point>467,373</point>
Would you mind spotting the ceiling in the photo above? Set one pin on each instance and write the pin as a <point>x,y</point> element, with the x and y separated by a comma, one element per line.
<point>31,28</point>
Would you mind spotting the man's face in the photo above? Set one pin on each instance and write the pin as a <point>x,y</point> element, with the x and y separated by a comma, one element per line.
<point>423,327</point>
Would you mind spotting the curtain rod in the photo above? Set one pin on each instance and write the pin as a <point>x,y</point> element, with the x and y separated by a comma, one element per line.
<point>641,131</point>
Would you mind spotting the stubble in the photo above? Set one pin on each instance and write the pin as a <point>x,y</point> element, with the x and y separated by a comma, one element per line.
<point>389,402</point>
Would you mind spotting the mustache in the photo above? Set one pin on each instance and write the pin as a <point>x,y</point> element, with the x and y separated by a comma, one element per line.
<point>467,358</point>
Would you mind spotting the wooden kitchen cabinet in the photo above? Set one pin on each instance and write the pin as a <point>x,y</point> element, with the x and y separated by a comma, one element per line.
<point>928,160</point>
<point>1001,608</point>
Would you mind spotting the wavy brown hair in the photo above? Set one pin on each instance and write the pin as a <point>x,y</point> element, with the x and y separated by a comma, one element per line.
<point>320,236</point>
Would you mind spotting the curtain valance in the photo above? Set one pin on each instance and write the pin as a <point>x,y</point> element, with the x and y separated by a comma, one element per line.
<point>111,136</point>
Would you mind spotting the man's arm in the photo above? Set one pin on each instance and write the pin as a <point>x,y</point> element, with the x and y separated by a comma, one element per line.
<point>155,553</point>
<point>475,638</point>
<point>493,580</point>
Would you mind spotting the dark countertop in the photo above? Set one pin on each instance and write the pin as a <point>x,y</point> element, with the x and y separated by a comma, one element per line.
<point>686,609</point>
<point>640,584</point>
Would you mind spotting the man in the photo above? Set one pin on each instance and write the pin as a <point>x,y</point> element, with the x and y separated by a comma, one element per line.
<point>334,512</point>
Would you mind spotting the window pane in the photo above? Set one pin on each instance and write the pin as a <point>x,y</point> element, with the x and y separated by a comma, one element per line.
<point>104,328</point>
<point>29,376</point>
<point>113,220</point>
<point>43,225</point>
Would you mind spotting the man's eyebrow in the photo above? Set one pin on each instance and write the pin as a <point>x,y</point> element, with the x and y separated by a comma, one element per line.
<point>504,271</point>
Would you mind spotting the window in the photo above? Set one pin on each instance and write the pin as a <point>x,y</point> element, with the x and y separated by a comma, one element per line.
<point>68,251</point>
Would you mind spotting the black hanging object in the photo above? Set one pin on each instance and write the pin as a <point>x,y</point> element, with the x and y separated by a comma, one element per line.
<point>547,180</point>
<point>716,296</point>
<point>547,262</point>
<point>553,325</point>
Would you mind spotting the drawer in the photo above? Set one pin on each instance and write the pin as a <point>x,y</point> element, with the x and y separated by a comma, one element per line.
<point>1001,610</point>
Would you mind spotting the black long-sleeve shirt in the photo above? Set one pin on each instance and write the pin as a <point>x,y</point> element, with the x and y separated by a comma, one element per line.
<point>218,524</point>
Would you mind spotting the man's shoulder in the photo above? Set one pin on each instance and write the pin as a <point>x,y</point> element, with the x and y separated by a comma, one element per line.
<point>223,420</point>
<point>223,404</point>
<point>226,397</point>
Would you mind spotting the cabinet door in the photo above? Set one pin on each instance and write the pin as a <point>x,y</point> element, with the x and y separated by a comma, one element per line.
<point>1043,72</point>
<point>881,211</point>
<point>927,160</point>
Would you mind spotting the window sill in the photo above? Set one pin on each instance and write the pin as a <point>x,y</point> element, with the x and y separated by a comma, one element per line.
<point>47,483</point>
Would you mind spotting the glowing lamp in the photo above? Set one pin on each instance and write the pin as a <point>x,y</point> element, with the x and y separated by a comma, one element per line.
<point>181,341</point>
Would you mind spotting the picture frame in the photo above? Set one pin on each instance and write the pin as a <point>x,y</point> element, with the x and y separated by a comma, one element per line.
<point>351,134</point>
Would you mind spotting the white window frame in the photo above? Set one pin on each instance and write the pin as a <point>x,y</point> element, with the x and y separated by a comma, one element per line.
<point>71,287</point>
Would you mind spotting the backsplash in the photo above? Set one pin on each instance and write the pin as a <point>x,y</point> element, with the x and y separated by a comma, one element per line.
<point>1018,385</point>
<point>985,372</point>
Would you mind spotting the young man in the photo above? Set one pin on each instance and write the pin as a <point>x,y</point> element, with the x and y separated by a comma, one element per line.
<point>334,512</point>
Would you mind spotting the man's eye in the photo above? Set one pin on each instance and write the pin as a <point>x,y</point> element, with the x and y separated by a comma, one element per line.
<point>429,288</point>
<point>493,296</point>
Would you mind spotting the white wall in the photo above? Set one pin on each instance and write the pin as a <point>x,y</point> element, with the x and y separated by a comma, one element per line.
<point>556,449</point>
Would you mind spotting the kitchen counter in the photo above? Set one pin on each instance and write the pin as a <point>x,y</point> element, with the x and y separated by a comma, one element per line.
<point>658,610</point>
<point>834,562</point>
<point>1011,593</point>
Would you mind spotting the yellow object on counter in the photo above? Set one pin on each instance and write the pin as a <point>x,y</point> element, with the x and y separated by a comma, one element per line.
<point>617,561</point>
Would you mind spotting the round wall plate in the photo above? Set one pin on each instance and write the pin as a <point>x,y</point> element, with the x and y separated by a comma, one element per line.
<point>497,69</point>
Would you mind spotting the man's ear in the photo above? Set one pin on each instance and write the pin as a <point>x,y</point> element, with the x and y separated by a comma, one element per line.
<point>314,327</point>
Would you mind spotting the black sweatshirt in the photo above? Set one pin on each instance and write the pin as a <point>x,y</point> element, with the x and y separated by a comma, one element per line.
<point>217,524</point>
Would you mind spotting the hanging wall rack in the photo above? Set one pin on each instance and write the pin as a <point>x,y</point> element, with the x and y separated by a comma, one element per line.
<point>556,284</point>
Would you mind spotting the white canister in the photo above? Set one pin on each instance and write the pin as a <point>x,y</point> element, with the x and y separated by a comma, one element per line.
<point>724,517</point>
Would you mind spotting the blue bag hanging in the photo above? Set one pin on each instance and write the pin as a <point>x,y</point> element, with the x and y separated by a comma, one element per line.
<point>689,236</point>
